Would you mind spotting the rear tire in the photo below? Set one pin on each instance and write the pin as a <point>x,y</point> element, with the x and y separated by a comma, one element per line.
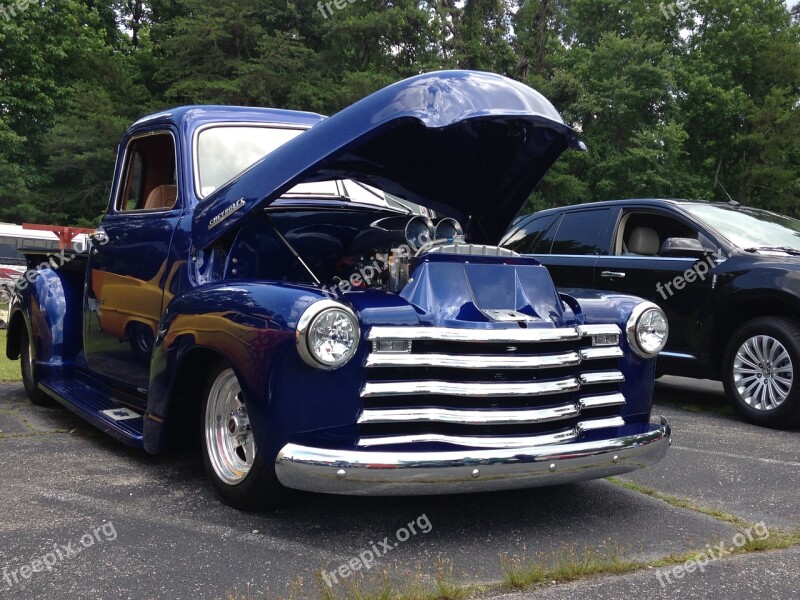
<point>27,360</point>
<point>238,472</point>
<point>760,372</point>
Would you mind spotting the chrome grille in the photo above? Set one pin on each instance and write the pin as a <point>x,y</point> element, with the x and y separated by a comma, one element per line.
<point>490,387</point>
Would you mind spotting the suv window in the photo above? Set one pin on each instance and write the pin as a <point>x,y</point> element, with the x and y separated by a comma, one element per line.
<point>582,232</point>
<point>524,239</point>
<point>643,233</point>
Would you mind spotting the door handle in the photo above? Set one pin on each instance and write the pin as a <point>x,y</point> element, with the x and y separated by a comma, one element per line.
<point>612,274</point>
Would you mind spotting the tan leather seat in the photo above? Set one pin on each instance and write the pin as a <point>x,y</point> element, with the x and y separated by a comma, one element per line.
<point>163,196</point>
<point>644,241</point>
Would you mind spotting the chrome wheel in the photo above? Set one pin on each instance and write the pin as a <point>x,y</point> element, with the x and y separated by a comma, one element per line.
<point>763,372</point>
<point>229,439</point>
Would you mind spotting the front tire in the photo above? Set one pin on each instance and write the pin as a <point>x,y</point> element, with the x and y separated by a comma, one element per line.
<point>238,472</point>
<point>27,361</point>
<point>760,372</point>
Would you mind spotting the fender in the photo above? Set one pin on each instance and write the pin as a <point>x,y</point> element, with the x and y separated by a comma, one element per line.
<point>743,296</point>
<point>249,324</point>
<point>49,302</point>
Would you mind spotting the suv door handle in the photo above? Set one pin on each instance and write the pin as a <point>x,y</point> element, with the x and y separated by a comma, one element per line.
<point>612,274</point>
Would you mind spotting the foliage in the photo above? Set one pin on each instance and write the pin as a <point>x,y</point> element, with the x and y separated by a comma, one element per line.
<point>670,102</point>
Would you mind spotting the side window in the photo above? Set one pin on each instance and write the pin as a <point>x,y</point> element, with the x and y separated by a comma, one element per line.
<point>545,241</point>
<point>643,233</point>
<point>582,232</point>
<point>8,248</point>
<point>525,238</point>
<point>134,189</point>
<point>150,174</point>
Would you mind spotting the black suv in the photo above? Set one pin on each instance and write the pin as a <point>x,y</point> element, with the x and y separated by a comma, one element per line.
<point>727,276</point>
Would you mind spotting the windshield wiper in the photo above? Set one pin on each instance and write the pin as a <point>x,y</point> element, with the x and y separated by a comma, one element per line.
<point>786,249</point>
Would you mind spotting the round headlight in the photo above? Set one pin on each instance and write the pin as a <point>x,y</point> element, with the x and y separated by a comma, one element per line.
<point>647,330</point>
<point>327,334</point>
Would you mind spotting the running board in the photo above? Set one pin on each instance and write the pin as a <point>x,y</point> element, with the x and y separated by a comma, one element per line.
<point>100,409</point>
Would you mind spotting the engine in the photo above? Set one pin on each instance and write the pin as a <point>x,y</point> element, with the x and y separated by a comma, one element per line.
<point>390,267</point>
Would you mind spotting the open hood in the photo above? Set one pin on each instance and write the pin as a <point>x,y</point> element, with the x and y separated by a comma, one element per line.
<point>471,145</point>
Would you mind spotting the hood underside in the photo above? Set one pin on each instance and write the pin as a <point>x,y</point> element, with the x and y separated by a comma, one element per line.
<point>468,144</point>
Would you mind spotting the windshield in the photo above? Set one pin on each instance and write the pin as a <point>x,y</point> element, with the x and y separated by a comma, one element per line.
<point>749,227</point>
<point>225,151</point>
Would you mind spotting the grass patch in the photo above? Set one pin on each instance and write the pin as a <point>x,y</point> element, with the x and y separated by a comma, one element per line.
<point>569,564</point>
<point>680,502</point>
<point>417,585</point>
<point>9,369</point>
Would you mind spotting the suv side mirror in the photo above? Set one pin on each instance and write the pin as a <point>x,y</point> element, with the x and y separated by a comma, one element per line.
<point>682,248</point>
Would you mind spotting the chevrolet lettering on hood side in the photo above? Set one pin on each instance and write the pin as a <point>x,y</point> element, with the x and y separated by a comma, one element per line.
<point>323,304</point>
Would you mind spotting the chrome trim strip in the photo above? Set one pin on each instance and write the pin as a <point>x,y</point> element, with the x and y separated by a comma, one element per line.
<point>678,355</point>
<point>530,334</point>
<point>469,417</point>
<point>602,401</point>
<point>601,377</point>
<point>363,472</point>
<point>473,361</point>
<point>565,435</point>
<point>600,352</point>
<point>471,390</point>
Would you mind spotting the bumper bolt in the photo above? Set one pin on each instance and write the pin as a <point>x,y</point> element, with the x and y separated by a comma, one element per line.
<point>341,474</point>
<point>476,473</point>
<point>552,467</point>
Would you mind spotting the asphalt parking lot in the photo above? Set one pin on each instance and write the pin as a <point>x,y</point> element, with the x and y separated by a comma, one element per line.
<point>157,531</point>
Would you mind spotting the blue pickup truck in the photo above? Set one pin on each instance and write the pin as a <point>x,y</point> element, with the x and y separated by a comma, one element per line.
<point>253,286</point>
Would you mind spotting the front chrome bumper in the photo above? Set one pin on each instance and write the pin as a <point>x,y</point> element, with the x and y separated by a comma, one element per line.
<point>371,473</point>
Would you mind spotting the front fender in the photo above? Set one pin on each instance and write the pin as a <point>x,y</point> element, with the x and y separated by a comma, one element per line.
<point>252,326</point>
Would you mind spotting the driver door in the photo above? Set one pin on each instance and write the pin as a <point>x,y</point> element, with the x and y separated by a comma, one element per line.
<point>127,269</point>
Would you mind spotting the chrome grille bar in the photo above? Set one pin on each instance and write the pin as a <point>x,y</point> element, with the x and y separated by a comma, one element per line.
<point>453,334</point>
<point>601,352</point>
<point>450,334</point>
<point>488,417</point>
<point>564,435</point>
<point>468,361</point>
<point>475,361</point>
<point>375,389</point>
<point>601,377</point>
<point>602,401</point>
<point>469,417</point>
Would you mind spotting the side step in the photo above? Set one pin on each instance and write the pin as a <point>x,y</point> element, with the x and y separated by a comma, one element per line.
<point>97,407</point>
